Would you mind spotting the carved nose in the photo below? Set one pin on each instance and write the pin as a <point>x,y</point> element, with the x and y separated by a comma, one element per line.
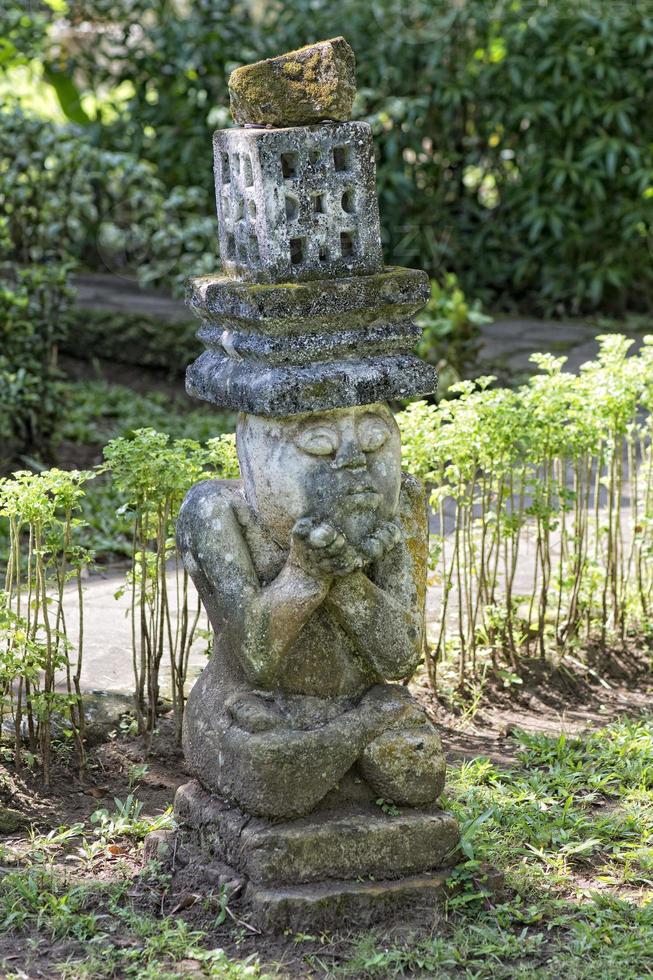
<point>349,456</point>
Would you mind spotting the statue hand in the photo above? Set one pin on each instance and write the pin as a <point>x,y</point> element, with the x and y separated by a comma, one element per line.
<point>382,540</point>
<point>321,550</point>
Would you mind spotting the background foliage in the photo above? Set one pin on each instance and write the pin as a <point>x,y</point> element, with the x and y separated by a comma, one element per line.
<point>514,141</point>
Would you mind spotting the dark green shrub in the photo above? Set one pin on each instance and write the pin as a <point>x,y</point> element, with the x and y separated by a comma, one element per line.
<point>450,331</point>
<point>514,139</point>
<point>147,341</point>
<point>31,302</point>
<point>64,198</point>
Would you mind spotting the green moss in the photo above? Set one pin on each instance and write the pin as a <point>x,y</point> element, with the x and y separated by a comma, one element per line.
<point>303,86</point>
<point>292,68</point>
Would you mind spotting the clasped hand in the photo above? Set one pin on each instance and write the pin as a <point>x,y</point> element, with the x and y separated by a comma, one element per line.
<point>324,552</point>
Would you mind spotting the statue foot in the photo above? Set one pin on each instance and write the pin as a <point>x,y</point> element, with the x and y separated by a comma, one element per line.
<point>406,766</point>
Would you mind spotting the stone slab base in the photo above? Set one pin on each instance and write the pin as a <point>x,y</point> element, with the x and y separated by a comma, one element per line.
<point>346,864</point>
<point>342,904</point>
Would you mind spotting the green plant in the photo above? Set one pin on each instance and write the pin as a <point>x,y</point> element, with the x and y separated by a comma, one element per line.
<point>36,648</point>
<point>153,473</point>
<point>552,460</point>
<point>449,330</point>
<point>31,309</point>
<point>96,412</point>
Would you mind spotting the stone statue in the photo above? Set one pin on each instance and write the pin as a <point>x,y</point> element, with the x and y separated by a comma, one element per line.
<point>317,773</point>
<point>313,574</point>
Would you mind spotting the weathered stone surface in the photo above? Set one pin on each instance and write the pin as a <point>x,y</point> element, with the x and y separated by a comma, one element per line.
<point>343,904</point>
<point>240,384</point>
<point>283,309</point>
<point>290,348</point>
<point>408,770</point>
<point>347,840</point>
<point>313,577</point>
<point>309,349</point>
<point>297,204</point>
<point>313,570</point>
<point>311,870</point>
<point>311,84</point>
<point>158,846</point>
<point>357,841</point>
<point>300,308</point>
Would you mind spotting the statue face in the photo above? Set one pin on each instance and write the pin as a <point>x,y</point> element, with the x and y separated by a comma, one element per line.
<point>342,467</point>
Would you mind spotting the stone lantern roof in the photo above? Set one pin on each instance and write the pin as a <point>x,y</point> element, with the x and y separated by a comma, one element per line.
<point>305,317</point>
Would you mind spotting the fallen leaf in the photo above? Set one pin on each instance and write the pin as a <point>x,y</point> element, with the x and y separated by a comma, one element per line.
<point>117,849</point>
<point>97,792</point>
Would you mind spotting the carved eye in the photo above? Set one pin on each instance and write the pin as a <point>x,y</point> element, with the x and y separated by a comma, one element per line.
<point>372,433</point>
<point>318,440</point>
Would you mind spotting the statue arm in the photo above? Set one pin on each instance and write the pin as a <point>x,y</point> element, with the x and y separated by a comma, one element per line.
<point>260,622</point>
<point>387,631</point>
<point>385,616</point>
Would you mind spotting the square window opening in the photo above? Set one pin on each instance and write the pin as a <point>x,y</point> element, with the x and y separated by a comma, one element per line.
<point>289,165</point>
<point>314,156</point>
<point>254,254</point>
<point>297,250</point>
<point>346,244</point>
<point>341,158</point>
<point>323,254</point>
<point>226,172</point>
<point>318,204</point>
<point>292,207</point>
<point>231,246</point>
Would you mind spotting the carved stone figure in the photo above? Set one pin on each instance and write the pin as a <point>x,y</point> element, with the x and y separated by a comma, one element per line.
<point>313,573</point>
<point>317,773</point>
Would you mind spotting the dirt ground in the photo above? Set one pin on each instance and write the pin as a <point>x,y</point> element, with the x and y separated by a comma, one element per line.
<point>569,699</point>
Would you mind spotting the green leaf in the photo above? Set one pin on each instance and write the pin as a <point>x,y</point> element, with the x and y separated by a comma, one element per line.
<point>67,94</point>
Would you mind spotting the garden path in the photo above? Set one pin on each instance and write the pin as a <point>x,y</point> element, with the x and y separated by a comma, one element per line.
<point>505,345</point>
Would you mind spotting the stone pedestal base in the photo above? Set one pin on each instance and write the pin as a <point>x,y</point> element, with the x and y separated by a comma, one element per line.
<point>345,865</point>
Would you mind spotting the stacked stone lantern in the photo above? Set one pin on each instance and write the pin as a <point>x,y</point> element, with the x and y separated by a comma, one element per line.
<point>316,780</point>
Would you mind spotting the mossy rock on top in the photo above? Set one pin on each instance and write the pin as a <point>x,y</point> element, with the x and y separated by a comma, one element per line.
<point>298,88</point>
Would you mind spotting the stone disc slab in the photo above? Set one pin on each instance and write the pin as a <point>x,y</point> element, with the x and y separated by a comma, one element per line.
<point>297,308</point>
<point>246,386</point>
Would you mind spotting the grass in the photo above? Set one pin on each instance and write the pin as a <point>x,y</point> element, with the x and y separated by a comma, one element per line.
<point>570,825</point>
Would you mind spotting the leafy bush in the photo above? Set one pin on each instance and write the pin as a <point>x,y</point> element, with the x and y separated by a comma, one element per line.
<point>154,473</point>
<point>126,338</point>
<point>66,199</point>
<point>552,461</point>
<point>96,412</point>
<point>514,141</point>
<point>31,305</point>
<point>35,646</point>
<point>449,331</point>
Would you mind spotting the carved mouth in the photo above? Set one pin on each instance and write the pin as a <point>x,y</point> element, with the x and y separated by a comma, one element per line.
<point>367,498</point>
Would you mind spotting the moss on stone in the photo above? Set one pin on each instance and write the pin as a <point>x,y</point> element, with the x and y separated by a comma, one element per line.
<point>299,88</point>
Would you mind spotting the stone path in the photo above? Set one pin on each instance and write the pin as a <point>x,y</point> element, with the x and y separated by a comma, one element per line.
<point>507,343</point>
